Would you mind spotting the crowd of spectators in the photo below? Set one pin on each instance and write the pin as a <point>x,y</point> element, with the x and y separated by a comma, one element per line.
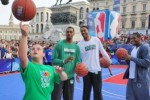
<point>9,49</point>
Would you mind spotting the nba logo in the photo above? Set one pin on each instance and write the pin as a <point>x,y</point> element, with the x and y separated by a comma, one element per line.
<point>103,24</point>
<point>114,20</point>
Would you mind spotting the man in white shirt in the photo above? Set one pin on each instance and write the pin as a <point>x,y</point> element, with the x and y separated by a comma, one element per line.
<point>138,70</point>
<point>89,48</point>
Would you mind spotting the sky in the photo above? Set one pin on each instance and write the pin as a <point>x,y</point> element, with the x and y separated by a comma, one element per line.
<point>6,9</point>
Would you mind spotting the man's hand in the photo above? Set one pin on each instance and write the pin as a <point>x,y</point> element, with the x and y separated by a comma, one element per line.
<point>58,69</point>
<point>24,29</point>
<point>69,59</point>
<point>127,57</point>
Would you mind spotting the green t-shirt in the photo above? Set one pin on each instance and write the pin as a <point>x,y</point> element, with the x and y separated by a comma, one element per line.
<point>61,52</point>
<point>39,81</point>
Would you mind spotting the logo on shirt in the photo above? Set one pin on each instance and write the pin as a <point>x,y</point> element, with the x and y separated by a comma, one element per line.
<point>90,47</point>
<point>45,78</point>
<point>69,51</point>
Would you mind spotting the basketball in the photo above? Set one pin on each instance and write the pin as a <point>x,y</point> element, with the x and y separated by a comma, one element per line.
<point>81,70</point>
<point>24,10</point>
<point>104,62</point>
<point>121,52</point>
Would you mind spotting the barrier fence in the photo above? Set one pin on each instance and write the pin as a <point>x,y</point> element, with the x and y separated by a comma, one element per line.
<point>11,65</point>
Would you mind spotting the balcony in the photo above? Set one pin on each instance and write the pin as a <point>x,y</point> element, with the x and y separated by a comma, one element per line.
<point>133,13</point>
<point>143,12</point>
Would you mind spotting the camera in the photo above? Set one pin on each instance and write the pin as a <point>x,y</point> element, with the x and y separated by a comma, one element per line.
<point>5,2</point>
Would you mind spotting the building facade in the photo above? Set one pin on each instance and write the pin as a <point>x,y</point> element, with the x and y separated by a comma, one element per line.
<point>134,13</point>
<point>11,31</point>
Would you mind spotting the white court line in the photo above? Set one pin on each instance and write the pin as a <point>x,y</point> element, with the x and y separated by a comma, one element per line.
<point>112,72</point>
<point>113,76</point>
<point>113,94</point>
<point>105,94</point>
<point>114,97</point>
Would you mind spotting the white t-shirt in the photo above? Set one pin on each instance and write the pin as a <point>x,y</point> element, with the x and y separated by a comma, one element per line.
<point>132,64</point>
<point>90,53</point>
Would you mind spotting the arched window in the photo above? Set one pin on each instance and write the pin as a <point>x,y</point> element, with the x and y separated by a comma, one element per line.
<point>133,24</point>
<point>81,13</point>
<point>123,24</point>
<point>87,10</point>
<point>37,28</point>
<point>143,22</point>
<point>47,16</point>
<point>41,28</point>
<point>37,17</point>
<point>42,17</point>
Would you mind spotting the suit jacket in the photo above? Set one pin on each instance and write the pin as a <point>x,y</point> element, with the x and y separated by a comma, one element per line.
<point>142,64</point>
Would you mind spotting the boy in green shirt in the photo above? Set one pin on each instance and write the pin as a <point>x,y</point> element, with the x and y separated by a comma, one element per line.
<point>39,79</point>
<point>67,55</point>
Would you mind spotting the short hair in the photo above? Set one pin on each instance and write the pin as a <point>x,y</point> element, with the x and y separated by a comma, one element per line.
<point>84,26</point>
<point>38,44</point>
<point>137,34</point>
<point>70,27</point>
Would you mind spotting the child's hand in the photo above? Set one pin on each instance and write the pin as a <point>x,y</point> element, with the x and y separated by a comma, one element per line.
<point>58,69</point>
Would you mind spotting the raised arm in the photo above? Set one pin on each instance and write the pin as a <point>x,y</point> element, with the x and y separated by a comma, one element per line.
<point>23,47</point>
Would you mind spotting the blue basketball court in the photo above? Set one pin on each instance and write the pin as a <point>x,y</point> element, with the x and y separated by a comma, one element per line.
<point>114,88</point>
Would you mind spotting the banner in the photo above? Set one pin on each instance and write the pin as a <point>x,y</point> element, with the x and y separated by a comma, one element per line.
<point>8,65</point>
<point>103,23</point>
<point>5,65</point>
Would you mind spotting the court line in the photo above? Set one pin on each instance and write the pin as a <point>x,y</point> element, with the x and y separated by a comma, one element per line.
<point>112,72</point>
<point>114,97</point>
<point>113,93</point>
<point>113,75</point>
<point>103,94</point>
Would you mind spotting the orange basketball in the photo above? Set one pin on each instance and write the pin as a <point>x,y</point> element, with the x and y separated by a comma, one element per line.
<point>104,62</point>
<point>24,10</point>
<point>81,70</point>
<point>121,52</point>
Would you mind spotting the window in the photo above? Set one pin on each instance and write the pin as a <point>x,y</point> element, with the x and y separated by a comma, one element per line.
<point>47,17</point>
<point>133,24</point>
<point>123,24</point>
<point>15,37</point>
<point>124,1</point>
<point>143,24</point>
<point>124,9</point>
<point>6,37</point>
<point>93,8</point>
<point>106,3</point>
<point>133,9</point>
<point>42,17</point>
<point>144,7</point>
<point>87,10</point>
<point>41,28</point>
<point>81,13</point>
<point>97,9</point>
<point>37,17</point>
<point>37,28</point>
